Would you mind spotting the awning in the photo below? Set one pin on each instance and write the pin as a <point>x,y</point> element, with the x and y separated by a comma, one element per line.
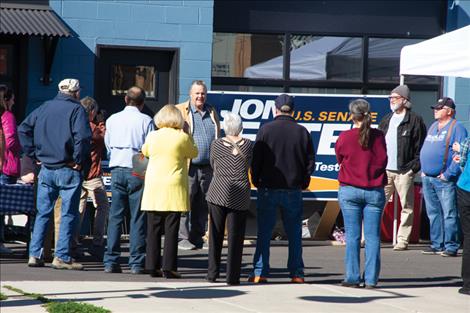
<point>444,55</point>
<point>31,21</point>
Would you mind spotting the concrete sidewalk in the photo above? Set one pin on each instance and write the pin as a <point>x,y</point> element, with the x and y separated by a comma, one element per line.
<point>409,282</point>
<point>205,297</point>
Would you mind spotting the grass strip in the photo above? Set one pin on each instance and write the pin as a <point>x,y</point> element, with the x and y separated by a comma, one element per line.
<point>60,307</point>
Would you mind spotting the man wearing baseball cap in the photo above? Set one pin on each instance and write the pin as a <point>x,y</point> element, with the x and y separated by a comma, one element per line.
<point>404,135</point>
<point>283,160</point>
<point>439,176</point>
<point>57,135</point>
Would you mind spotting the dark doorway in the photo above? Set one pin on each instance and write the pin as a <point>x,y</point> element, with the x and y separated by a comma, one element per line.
<point>119,68</point>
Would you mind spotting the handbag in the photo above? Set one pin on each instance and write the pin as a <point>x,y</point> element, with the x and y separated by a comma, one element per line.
<point>139,165</point>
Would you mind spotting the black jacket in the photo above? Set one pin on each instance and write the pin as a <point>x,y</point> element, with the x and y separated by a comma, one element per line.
<point>410,137</point>
<point>283,156</point>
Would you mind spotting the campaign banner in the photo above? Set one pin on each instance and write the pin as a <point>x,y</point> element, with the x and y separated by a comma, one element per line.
<point>325,116</point>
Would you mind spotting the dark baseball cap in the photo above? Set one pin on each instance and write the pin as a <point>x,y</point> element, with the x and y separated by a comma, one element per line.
<point>284,100</point>
<point>444,102</point>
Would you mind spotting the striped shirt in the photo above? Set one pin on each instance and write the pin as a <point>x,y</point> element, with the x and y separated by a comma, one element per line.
<point>230,186</point>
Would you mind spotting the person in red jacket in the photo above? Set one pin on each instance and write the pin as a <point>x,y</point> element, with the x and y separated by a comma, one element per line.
<point>362,155</point>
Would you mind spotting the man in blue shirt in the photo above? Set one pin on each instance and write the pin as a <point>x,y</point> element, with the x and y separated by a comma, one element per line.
<point>202,122</point>
<point>125,135</point>
<point>439,175</point>
<point>58,136</point>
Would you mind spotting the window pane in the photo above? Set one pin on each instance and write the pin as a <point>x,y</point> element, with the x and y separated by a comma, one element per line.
<point>247,55</point>
<point>325,58</point>
<point>384,61</point>
<point>126,76</point>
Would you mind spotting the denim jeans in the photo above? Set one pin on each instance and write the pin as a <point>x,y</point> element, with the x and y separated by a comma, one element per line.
<point>7,179</point>
<point>440,199</point>
<point>52,183</point>
<point>126,192</point>
<point>290,202</point>
<point>362,206</point>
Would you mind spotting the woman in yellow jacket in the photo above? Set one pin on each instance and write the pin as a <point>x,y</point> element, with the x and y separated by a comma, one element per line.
<point>166,193</point>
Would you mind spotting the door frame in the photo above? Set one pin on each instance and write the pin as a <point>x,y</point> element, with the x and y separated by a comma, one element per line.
<point>174,66</point>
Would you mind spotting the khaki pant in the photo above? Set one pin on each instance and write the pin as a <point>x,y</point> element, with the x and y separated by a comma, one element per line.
<point>95,189</point>
<point>404,186</point>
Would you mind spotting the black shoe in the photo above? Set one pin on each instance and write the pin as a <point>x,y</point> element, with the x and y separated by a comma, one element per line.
<point>448,253</point>
<point>112,269</point>
<point>96,252</point>
<point>233,283</point>
<point>137,271</point>
<point>156,273</point>
<point>171,275</point>
<point>211,279</point>
<point>464,291</point>
<point>370,286</point>
<point>350,285</point>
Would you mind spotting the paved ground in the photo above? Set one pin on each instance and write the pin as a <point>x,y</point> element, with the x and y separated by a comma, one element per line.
<point>410,282</point>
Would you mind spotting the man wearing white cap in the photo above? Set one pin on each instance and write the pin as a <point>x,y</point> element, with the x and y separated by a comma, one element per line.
<point>57,135</point>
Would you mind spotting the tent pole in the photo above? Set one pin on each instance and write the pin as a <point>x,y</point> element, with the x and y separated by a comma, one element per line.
<point>402,79</point>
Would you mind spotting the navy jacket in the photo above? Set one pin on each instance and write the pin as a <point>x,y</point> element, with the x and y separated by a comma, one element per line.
<point>283,156</point>
<point>57,133</point>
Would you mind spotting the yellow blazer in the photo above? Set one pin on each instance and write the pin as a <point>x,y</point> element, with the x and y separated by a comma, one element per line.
<point>166,179</point>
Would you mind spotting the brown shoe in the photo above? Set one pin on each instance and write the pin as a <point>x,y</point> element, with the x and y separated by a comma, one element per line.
<point>59,264</point>
<point>297,280</point>
<point>257,279</point>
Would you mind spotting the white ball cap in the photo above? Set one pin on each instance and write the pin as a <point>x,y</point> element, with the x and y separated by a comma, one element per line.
<point>69,85</point>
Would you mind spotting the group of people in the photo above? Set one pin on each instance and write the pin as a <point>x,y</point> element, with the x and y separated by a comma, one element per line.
<point>196,187</point>
<point>374,163</point>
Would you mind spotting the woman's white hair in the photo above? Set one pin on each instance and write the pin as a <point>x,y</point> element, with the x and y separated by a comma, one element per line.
<point>232,124</point>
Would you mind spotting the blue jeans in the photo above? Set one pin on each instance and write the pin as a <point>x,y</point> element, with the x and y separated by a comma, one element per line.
<point>362,206</point>
<point>126,192</point>
<point>290,202</point>
<point>7,179</point>
<point>440,198</point>
<point>51,183</point>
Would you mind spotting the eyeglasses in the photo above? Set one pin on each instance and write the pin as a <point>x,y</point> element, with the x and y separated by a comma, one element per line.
<point>394,97</point>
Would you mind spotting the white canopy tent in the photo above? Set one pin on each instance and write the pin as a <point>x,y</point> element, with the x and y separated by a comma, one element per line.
<point>444,55</point>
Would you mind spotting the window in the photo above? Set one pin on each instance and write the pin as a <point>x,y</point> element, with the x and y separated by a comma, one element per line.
<point>126,76</point>
<point>325,58</point>
<point>384,61</point>
<point>247,55</point>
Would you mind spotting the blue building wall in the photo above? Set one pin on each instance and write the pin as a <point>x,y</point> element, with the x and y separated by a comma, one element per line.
<point>186,25</point>
<point>459,88</point>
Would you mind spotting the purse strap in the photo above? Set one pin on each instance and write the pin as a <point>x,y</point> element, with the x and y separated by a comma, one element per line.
<point>446,153</point>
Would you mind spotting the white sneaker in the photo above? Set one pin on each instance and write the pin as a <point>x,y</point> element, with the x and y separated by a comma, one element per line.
<point>4,250</point>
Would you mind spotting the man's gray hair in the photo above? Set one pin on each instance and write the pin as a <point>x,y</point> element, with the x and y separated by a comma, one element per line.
<point>232,124</point>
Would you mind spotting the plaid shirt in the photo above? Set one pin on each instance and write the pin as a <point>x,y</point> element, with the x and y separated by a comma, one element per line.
<point>464,149</point>
<point>203,134</point>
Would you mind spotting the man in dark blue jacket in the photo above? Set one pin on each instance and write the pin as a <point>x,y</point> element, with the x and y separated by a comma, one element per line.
<point>283,160</point>
<point>57,135</point>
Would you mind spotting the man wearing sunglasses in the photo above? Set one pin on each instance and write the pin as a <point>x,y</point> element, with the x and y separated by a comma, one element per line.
<point>404,135</point>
